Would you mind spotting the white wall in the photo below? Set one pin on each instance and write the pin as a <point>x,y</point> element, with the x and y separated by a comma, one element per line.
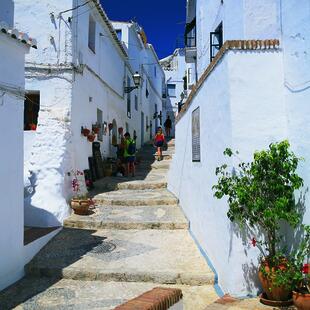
<point>242,20</point>
<point>240,107</point>
<point>175,75</point>
<point>53,34</point>
<point>295,23</point>
<point>12,55</point>
<point>7,12</point>
<point>51,152</point>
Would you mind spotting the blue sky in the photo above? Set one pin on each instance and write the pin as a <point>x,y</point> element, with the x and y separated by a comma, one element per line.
<point>162,20</point>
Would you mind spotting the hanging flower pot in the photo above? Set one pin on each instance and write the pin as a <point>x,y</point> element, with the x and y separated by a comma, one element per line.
<point>85,132</point>
<point>110,126</point>
<point>120,131</point>
<point>91,137</point>
<point>96,130</point>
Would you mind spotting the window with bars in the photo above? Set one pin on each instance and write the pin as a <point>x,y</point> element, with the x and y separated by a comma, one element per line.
<point>171,89</point>
<point>92,33</point>
<point>136,102</point>
<point>128,99</point>
<point>216,41</point>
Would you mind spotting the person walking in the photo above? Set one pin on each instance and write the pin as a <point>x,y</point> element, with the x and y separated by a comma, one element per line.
<point>159,141</point>
<point>168,126</point>
<point>130,154</point>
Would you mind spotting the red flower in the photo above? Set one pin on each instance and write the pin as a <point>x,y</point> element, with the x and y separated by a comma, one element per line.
<point>306,269</point>
<point>253,241</point>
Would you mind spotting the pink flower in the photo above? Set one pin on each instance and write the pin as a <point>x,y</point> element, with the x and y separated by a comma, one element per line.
<point>253,241</point>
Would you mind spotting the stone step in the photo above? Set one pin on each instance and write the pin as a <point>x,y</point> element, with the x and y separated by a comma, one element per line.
<point>137,198</point>
<point>163,165</point>
<point>48,293</point>
<point>158,256</point>
<point>153,157</point>
<point>142,180</point>
<point>119,217</point>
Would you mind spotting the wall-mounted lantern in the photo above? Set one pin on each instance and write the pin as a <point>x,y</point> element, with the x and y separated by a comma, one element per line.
<point>137,80</point>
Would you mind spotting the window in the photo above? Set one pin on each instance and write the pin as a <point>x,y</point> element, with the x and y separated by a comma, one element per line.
<point>189,76</point>
<point>147,123</point>
<point>92,34</point>
<point>119,34</point>
<point>136,102</point>
<point>128,99</point>
<point>190,34</point>
<point>31,110</point>
<point>171,90</point>
<point>216,41</point>
<point>146,90</point>
<point>99,123</point>
<point>155,71</point>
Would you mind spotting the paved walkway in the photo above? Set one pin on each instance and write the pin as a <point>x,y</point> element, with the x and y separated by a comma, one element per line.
<point>135,239</point>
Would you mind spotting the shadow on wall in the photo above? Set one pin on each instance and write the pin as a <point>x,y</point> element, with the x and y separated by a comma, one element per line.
<point>291,239</point>
<point>34,216</point>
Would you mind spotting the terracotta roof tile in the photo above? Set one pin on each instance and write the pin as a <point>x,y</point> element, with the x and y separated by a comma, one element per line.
<point>17,35</point>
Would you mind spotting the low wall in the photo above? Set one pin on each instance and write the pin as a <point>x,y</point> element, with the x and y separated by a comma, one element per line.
<point>242,107</point>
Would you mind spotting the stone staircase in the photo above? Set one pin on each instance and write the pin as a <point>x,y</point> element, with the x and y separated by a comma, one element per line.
<point>135,239</point>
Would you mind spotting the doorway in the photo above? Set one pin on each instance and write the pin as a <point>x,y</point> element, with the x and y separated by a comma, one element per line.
<point>142,128</point>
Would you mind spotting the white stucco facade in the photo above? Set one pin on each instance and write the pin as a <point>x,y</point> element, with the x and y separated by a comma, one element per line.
<point>250,99</point>
<point>79,71</point>
<point>143,59</point>
<point>12,81</point>
<point>177,74</point>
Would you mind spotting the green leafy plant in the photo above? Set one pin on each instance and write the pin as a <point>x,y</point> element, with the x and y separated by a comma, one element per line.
<point>260,196</point>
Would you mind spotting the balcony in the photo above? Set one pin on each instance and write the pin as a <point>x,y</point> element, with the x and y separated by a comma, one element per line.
<point>190,42</point>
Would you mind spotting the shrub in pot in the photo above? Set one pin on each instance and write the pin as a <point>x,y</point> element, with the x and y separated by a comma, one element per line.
<point>80,202</point>
<point>301,294</point>
<point>260,196</point>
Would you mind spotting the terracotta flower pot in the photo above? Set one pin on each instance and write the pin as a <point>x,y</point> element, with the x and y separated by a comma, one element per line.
<point>80,206</point>
<point>85,132</point>
<point>91,138</point>
<point>273,292</point>
<point>301,301</point>
<point>96,130</point>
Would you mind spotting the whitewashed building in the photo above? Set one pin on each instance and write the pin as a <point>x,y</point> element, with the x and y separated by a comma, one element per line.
<point>252,60</point>
<point>179,80</point>
<point>148,106</point>
<point>77,78</point>
<point>14,45</point>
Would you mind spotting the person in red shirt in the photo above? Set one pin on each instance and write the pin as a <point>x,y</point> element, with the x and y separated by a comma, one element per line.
<point>159,142</point>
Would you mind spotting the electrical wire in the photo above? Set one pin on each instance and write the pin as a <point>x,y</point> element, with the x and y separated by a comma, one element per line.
<point>75,8</point>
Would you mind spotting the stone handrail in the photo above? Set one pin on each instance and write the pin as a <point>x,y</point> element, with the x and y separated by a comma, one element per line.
<point>228,45</point>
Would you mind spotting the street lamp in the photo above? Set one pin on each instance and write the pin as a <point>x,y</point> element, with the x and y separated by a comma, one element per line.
<point>137,80</point>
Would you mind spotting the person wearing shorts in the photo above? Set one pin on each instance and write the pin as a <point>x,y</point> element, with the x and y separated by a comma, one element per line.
<point>129,157</point>
<point>159,142</point>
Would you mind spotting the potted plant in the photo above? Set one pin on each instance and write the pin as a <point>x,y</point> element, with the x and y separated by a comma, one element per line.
<point>80,202</point>
<point>110,126</point>
<point>85,131</point>
<point>260,197</point>
<point>91,137</point>
<point>120,131</point>
<point>96,128</point>
<point>301,294</point>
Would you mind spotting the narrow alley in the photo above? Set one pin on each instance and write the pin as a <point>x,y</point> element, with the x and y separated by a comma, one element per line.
<point>127,246</point>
